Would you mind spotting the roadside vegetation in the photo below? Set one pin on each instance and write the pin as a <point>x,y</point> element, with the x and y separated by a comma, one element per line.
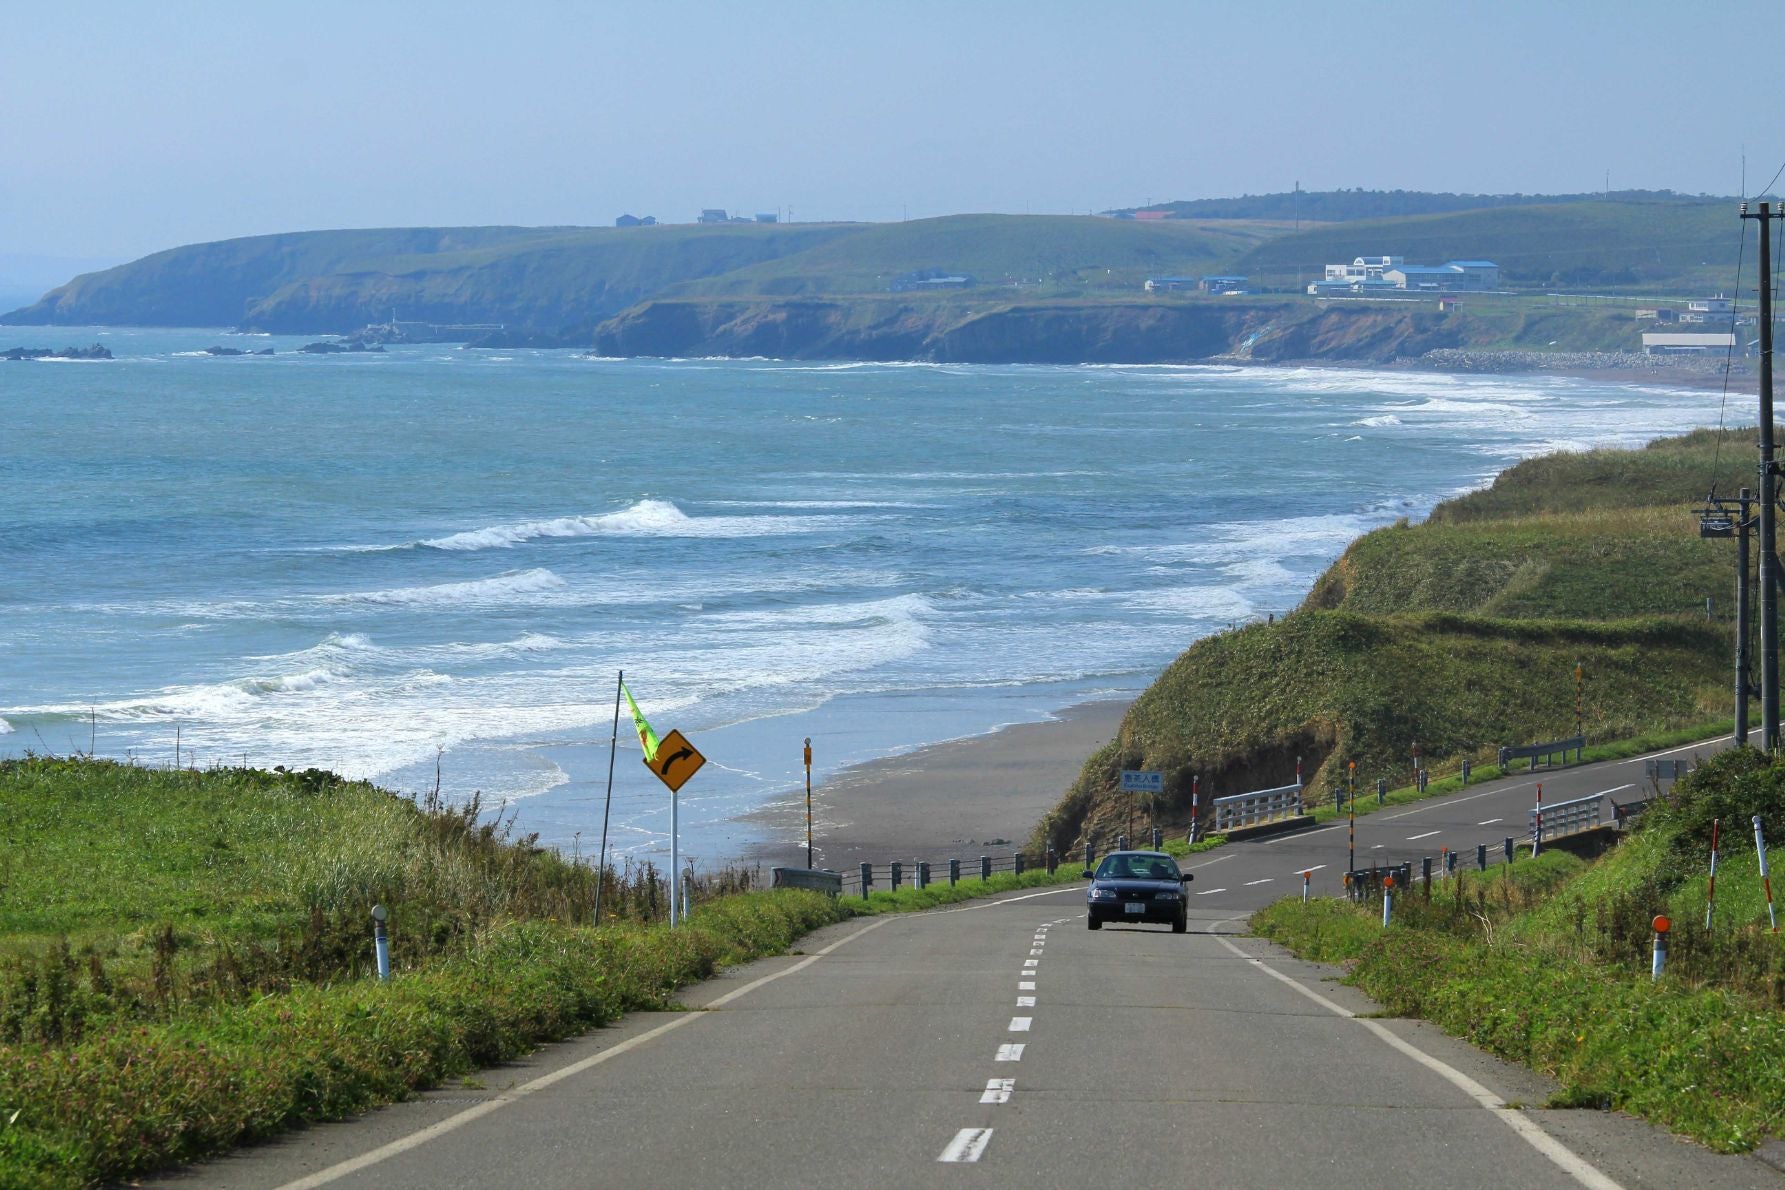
<point>186,958</point>
<point>1547,962</point>
<point>1460,634</point>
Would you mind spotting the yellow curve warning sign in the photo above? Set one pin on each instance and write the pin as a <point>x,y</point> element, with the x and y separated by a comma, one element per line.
<point>676,761</point>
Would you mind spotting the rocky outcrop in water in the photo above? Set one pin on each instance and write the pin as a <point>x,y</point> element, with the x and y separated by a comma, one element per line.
<point>97,351</point>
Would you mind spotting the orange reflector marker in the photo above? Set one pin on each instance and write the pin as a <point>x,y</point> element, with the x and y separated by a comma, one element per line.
<point>1662,925</point>
<point>1388,882</point>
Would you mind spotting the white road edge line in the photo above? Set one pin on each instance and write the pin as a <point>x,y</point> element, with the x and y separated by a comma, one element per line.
<point>1209,892</point>
<point>1564,1158</point>
<point>967,1145</point>
<point>416,1139</point>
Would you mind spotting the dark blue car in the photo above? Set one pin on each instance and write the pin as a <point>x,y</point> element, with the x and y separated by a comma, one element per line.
<point>1137,886</point>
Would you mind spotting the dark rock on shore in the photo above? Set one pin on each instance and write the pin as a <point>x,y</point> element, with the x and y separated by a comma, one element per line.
<point>326,348</point>
<point>97,351</point>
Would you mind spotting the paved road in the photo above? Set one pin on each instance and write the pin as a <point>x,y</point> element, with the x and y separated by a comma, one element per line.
<point>1003,1044</point>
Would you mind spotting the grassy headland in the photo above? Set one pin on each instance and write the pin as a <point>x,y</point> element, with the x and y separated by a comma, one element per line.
<point>186,959</point>
<point>1546,962</point>
<point>1459,634</point>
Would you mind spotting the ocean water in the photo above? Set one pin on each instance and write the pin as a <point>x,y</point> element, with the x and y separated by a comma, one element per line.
<point>429,564</point>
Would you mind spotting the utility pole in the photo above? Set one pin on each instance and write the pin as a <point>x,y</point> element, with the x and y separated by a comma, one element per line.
<point>1769,545</point>
<point>1743,678</point>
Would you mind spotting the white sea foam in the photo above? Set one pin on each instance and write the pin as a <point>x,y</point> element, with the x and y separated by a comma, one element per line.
<point>516,587</point>
<point>5,727</point>
<point>1196,603</point>
<point>647,518</point>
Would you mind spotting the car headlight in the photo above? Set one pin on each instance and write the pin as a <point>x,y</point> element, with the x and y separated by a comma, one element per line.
<point>1103,894</point>
<point>1168,896</point>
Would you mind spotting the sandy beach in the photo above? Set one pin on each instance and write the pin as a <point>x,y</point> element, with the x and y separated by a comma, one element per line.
<point>959,799</point>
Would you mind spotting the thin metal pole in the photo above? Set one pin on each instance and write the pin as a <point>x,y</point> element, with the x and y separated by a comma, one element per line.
<point>1743,616</point>
<point>1769,545</point>
<point>675,862</point>
<point>808,802</point>
<point>613,746</point>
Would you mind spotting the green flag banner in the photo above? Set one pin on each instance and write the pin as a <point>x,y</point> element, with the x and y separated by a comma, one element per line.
<point>647,738</point>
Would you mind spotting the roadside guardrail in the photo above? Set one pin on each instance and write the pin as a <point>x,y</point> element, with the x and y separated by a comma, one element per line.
<point>1545,752</point>
<point>1567,818</point>
<point>814,879</point>
<point>1261,805</point>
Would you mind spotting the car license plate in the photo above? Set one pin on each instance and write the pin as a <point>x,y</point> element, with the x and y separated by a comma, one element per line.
<point>1134,907</point>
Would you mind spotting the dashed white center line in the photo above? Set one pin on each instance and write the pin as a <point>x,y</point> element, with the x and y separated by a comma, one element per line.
<point>1266,880</point>
<point>1027,985</point>
<point>1427,835</point>
<point>1020,1024</point>
<point>1490,821</point>
<point>1037,950</point>
<point>1314,868</point>
<point>997,1090</point>
<point>967,1145</point>
<point>1011,1052</point>
<point>1031,962</point>
<point>1209,892</point>
<point>1376,847</point>
<point>1025,1001</point>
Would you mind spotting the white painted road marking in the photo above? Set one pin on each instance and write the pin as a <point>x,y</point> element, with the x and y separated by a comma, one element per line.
<point>997,1090</point>
<point>1455,801</point>
<point>1020,1024</point>
<point>1490,822</point>
<point>1427,835</point>
<point>967,1145</point>
<point>1566,1159</point>
<point>1315,868</point>
<point>1027,985</point>
<point>1297,835</point>
<point>1209,892</point>
<point>1011,1052</point>
<point>1037,950</point>
<point>1025,1001</point>
<point>1616,789</point>
<point>1031,962</point>
<point>1250,883</point>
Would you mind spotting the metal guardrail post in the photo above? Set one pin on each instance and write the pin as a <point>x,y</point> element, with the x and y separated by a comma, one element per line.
<point>1381,790</point>
<point>1481,856</point>
<point>1121,842</point>
<point>897,870</point>
<point>1090,854</point>
<point>1425,869</point>
<point>1053,860</point>
<point>867,880</point>
<point>954,872</point>
<point>923,873</point>
<point>1465,772</point>
<point>985,867</point>
<point>1509,848</point>
<point>1158,838</point>
<point>1017,863</point>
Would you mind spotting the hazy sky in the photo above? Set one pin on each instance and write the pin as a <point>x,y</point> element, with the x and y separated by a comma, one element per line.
<point>131,127</point>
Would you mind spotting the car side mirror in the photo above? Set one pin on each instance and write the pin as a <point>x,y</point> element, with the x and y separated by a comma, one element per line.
<point>1186,878</point>
<point>1088,874</point>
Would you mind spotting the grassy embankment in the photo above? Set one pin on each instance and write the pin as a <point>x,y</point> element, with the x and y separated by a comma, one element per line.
<point>1460,634</point>
<point>186,961</point>
<point>1546,962</point>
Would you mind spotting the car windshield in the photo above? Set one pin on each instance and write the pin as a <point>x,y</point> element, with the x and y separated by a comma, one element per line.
<point>1137,867</point>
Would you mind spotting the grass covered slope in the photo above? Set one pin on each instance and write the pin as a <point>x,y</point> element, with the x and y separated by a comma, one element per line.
<point>186,959</point>
<point>1460,634</point>
<point>1547,963</point>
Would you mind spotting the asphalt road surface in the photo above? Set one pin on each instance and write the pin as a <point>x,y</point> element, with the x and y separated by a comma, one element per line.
<point>1001,1044</point>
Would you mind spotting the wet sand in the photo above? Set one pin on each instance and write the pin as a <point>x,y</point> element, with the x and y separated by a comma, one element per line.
<point>961,799</point>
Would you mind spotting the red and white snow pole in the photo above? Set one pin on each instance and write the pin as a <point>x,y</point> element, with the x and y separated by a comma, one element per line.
<point>1765,879</point>
<point>1195,804</point>
<point>1710,892</point>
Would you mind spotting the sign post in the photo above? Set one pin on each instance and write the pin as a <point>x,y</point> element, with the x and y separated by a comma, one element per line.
<point>1141,781</point>
<point>675,762</point>
<point>808,803</point>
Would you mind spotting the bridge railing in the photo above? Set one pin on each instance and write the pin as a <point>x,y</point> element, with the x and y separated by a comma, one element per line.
<point>1567,818</point>
<point>1261,805</point>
